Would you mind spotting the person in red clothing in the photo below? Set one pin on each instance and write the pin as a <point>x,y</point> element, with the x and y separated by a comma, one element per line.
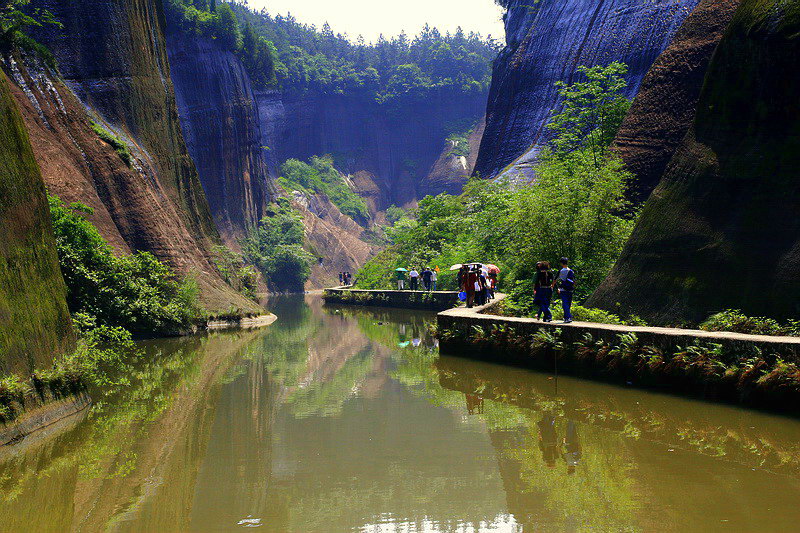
<point>472,279</point>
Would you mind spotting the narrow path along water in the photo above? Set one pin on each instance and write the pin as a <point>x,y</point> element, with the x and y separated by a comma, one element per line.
<point>347,419</point>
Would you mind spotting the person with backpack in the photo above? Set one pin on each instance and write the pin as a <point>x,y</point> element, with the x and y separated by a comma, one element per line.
<point>543,290</point>
<point>566,288</point>
<point>426,278</point>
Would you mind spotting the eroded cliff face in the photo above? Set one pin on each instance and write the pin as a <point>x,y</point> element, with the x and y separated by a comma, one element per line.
<point>663,110</point>
<point>35,324</point>
<point>113,63</point>
<point>546,42</point>
<point>455,164</point>
<point>220,121</point>
<point>721,229</point>
<point>397,143</point>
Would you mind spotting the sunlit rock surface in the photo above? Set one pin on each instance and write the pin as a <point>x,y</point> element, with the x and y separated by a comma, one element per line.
<point>112,56</point>
<point>546,42</point>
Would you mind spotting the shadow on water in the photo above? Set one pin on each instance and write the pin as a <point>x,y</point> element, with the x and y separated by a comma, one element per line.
<point>346,418</point>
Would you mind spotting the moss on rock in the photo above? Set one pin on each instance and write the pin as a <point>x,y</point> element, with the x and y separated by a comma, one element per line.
<point>34,320</point>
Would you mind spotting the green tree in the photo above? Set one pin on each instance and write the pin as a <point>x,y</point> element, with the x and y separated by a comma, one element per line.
<point>227,27</point>
<point>136,292</point>
<point>275,247</point>
<point>591,111</point>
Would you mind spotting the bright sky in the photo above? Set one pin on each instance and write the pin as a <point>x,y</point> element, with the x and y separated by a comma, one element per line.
<point>370,18</point>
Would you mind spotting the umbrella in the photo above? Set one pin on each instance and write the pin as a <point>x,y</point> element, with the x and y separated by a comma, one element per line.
<point>493,269</point>
<point>456,267</point>
<point>400,270</point>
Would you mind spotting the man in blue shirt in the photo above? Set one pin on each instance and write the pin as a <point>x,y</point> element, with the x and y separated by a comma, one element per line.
<point>566,287</point>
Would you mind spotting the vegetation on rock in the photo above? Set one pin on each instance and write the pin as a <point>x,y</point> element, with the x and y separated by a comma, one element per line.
<point>136,292</point>
<point>275,247</point>
<point>319,176</point>
<point>575,208</point>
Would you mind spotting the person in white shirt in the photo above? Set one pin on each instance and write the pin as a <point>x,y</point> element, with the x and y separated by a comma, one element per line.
<point>434,277</point>
<point>414,275</point>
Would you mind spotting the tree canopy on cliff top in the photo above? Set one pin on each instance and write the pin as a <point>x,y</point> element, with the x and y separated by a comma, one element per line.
<point>302,57</point>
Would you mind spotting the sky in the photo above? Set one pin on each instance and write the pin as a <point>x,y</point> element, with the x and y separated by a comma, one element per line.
<point>370,18</point>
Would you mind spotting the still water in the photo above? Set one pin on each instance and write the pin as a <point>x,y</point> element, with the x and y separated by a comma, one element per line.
<point>347,419</point>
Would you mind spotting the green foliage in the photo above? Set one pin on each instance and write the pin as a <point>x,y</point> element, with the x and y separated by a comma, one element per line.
<point>16,15</point>
<point>219,22</point>
<point>320,176</point>
<point>136,291</point>
<point>235,272</point>
<point>311,58</point>
<point>120,147</point>
<point>394,213</point>
<point>459,144</point>
<point>591,111</point>
<point>736,321</point>
<point>575,208</point>
<point>275,247</point>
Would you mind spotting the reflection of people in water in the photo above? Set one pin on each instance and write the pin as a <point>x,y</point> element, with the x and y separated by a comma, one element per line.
<point>572,447</point>
<point>416,340</point>
<point>474,404</point>
<point>548,439</point>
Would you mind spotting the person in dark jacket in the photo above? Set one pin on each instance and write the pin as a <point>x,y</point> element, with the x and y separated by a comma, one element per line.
<point>543,290</point>
<point>565,282</point>
<point>427,274</point>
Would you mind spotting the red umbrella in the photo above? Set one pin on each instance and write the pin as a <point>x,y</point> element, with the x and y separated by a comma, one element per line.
<point>493,269</point>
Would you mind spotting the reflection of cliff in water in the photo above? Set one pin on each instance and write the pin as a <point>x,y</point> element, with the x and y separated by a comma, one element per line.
<point>132,458</point>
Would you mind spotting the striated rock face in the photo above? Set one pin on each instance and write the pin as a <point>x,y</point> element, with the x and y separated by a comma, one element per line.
<point>455,165</point>
<point>396,143</point>
<point>113,60</point>
<point>663,110</point>
<point>34,321</point>
<point>721,229</point>
<point>546,42</point>
<point>220,122</point>
<point>335,237</point>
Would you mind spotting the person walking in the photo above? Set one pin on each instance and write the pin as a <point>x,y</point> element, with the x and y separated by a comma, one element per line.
<point>348,279</point>
<point>434,277</point>
<point>566,288</point>
<point>543,290</point>
<point>426,278</point>
<point>463,274</point>
<point>472,286</point>
<point>414,276</point>
<point>401,279</point>
<point>341,278</point>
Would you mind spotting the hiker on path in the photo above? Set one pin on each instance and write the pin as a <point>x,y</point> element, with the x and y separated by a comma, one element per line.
<point>426,278</point>
<point>463,274</point>
<point>341,278</point>
<point>566,288</point>
<point>400,275</point>
<point>543,291</point>
<point>434,277</point>
<point>472,285</point>
<point>348,279</point>
<point>414,275</point>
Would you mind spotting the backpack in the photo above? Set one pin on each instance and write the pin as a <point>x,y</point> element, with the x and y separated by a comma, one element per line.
<point>569,283</point>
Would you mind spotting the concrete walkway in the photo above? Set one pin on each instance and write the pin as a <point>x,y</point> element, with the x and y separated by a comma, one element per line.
<point>675,336</point>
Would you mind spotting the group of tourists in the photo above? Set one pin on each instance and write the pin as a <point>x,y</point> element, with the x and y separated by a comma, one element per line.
<point>345,279</point>
<point>545,283</point>
<point>478,282</point>
<point>428,276</point>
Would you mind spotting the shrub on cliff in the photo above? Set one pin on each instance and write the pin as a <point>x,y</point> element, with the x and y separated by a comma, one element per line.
<point>275,247</point>
<point>319,176</point>
<point>136,292</point>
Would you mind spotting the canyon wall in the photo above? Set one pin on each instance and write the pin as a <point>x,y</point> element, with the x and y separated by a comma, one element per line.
<point>35,324</point>
<point>662,112</point>
<point>721,229</point>
<point>546,42</point>
<point>114,73</point>
<point>396,143</point>
<point>220,121</point>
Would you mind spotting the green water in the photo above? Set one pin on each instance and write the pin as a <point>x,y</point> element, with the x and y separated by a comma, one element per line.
<point>343,419</point>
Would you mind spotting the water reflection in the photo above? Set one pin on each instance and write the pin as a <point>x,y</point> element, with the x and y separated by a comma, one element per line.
<point>348,419</point>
